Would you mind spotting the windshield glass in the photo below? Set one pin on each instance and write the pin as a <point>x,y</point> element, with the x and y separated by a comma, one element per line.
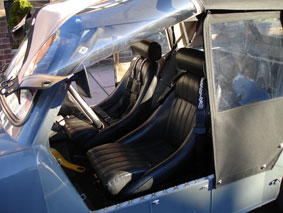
<point>18,109</point>
<point>97,32</point>
<point>249,69</point>
<point>17,61</point>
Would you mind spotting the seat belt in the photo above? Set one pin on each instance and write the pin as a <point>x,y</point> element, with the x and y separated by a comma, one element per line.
<point>124,101</point>
<point>103,115</point>
<point>200,129</point>
<point>131,78</point>
<point>167,57</point>
<point>129,86</point>
<point>170,87</point>
<point>201,113</point>
<point>137,83</point>
<point>136,87</point>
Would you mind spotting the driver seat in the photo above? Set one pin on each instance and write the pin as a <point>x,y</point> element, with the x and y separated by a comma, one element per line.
<point>119,111</point>
<point>148,155</point>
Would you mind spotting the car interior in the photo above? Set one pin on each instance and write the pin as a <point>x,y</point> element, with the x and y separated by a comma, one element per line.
<point>153,130</point>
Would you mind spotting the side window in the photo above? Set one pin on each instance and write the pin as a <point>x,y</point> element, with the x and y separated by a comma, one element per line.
<point>247,60</point>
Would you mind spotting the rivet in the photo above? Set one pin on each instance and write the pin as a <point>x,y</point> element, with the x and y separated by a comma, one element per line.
<point>280,146</point>
<point>46,83</point>
<point>83,196</point>
<point>219,182</point>
<point>263,166</point>
<point>155,202</point>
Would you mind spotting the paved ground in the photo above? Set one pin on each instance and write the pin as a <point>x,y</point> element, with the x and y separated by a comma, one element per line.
<point>101,80</point>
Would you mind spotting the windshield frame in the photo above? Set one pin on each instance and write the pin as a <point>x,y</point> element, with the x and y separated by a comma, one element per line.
<point>161,17</point>
<point>12,117</point>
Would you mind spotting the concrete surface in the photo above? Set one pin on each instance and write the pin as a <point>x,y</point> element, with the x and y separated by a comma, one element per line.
<point>101,80</point>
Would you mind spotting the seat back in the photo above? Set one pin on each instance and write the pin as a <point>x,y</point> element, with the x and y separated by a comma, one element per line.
<point>184,106</point>
<point>135,82</point>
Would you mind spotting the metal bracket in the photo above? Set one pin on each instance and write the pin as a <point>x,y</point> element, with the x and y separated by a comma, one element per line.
<point>9,86</point>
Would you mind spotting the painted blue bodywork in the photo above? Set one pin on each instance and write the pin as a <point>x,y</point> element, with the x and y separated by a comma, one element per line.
<point>31,180</point>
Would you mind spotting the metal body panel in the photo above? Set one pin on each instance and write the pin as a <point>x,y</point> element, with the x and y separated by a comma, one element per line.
<point>58,192</point>
<point>193,196</point>
<point>32,181</point>
<point>249,193</point>
<point>244,195</point>
<point>18,173</point>
<point>30,177</point>
<point>198,196</point>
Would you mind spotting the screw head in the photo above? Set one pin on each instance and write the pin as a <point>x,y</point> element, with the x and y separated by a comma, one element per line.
<point>263,166</point>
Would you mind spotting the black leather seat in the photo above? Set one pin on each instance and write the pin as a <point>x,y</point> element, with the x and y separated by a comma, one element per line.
<point>151,153</point>
<point>120,111</point>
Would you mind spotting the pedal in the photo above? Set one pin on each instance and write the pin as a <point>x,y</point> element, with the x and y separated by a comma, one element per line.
<point>63,162</point>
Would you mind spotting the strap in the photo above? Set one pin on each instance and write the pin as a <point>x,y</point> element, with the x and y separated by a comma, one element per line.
<point>128,89</point>
<point>115,112</point>
<point>131,78</point>
<point>137,83</point>
<point>136,87</point>
<point>170,86</point>
<point>167,57</point>
<point>104,115</point>
<point>100,112</point>
<point>140,70</point>
<point>201,113</point>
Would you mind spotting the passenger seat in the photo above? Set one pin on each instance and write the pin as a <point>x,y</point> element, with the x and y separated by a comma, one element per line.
<point>151,153</point>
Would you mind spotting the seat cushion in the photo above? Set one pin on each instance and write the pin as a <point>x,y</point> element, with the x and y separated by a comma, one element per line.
<point>117,164</point>
<point>79,130</point>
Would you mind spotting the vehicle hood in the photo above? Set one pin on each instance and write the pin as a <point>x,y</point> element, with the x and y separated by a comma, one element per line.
<point>65,37</point>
